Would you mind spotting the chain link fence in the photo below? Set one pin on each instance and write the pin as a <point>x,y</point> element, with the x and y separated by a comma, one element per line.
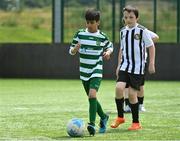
<point>165,24</point>
<point>32,20</point>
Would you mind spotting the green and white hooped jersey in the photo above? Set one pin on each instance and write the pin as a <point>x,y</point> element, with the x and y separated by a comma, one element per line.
<point>91,51</point>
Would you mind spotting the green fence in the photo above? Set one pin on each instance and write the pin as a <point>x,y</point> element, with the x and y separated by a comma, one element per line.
<point>160,16</point>
<point>34,21</point>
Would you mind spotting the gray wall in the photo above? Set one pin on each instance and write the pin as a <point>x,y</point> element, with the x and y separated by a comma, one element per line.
<point>54,61</point>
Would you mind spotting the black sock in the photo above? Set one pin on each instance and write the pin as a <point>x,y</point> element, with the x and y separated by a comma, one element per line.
<point>135,112</point>
<point>127,101</point>
<point>140,100</point>
<point>119,106</point>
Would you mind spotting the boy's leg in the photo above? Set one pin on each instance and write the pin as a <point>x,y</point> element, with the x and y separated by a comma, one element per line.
<point>100,111</point>
<point>95,84</point>
<point>92,106</point>
<point>141,99</point>
<point>122,81</point>
<point>91,87</point>
<point>141,92</point>
<point>134,104</point>
<point>126,91</point>
<point>135,83</point>
<point>135,109</point>
<point>94,87</point>
<point>91,93</point>
<point>103,120</point>
<point>86,86</point>
<point>92,111</point>
<point>119,100</point>
<point>140,95</point>
<point>127,108</point>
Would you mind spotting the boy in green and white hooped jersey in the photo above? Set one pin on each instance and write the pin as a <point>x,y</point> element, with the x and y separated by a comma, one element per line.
<point>93,46</point>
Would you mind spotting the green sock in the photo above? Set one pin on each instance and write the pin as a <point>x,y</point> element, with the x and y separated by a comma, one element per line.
<point>100,111</point>
<point>92,110</point>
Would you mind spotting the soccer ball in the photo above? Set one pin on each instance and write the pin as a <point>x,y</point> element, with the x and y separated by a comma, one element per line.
<point>75,127</point>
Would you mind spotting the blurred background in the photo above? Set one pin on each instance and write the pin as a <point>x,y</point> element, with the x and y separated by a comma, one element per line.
<point>35,35</point>
<point>32,20</point>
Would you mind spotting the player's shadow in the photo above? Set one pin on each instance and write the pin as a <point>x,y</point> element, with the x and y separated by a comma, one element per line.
<point>66,137</point>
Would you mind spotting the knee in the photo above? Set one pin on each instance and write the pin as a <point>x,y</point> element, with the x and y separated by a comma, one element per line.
<point>92,93</point>
<point>119,88</point>
<point>119,91</point>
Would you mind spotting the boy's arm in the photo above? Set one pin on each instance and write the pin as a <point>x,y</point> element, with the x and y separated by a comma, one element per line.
<point>150,45</point>
<point>155,39</point>
<point>151,67</point>
<point>108,51</point>
<point>75,45</point>
<point>154,36</point>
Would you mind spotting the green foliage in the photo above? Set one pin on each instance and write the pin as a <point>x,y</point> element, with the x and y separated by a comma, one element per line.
<point>37,3</point>
<point>11,4</point>
<point>40,109</point>
<point>41,18</point>
<point>3,4</point>
<point>79,2</point>
<point>24,34</point>
<point>27,26</point>
<point>37,22</point>
<point>166,19</point>
<point>10,22</point>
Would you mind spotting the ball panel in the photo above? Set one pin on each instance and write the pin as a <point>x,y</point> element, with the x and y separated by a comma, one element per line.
<point>75,127</point>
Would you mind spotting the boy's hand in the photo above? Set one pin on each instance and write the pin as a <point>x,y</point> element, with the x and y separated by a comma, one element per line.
<point>106,55</point>
<point>75,49</point>
<point>151,68</point>
<point>77,46</point>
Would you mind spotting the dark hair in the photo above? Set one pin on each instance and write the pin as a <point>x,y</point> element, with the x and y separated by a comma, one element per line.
<point>131,9</point>
<point>92,15</point>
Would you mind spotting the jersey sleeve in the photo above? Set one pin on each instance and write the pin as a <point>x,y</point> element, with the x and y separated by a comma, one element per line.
<point>152,34</point>
<point>147,39</point>
<point>74,42</point>
<point>75,39</point>
<point>121,38</point>
<point>108,44</point>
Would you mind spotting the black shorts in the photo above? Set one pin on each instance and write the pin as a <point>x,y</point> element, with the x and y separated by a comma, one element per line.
<point>133,80</point>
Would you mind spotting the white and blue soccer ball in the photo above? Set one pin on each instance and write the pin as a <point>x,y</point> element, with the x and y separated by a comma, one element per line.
<point>75,127</point>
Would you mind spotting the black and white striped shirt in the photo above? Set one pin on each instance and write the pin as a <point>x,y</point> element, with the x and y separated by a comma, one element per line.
<point>134,42</point>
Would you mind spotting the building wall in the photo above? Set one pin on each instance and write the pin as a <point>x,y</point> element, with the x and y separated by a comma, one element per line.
<point>54,61</point>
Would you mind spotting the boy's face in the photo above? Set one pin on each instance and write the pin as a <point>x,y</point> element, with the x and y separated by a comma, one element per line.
<point>129,18</point>
<point>92,26</point>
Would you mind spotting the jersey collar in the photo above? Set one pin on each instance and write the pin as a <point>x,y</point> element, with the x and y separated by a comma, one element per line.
<point>132,27</point>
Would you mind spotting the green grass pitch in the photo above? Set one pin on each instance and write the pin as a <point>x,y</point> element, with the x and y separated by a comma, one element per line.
<point>32,109</point>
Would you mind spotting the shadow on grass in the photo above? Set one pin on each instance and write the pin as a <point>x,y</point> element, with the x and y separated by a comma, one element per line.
<point>86,136</point>
<point>70,138</point>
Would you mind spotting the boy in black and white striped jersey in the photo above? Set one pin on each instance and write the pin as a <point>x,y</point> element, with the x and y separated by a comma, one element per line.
<point>131,62</point>
<point>140,94</point>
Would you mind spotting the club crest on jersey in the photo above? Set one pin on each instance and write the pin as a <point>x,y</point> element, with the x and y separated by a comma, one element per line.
<point>137,36</point>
